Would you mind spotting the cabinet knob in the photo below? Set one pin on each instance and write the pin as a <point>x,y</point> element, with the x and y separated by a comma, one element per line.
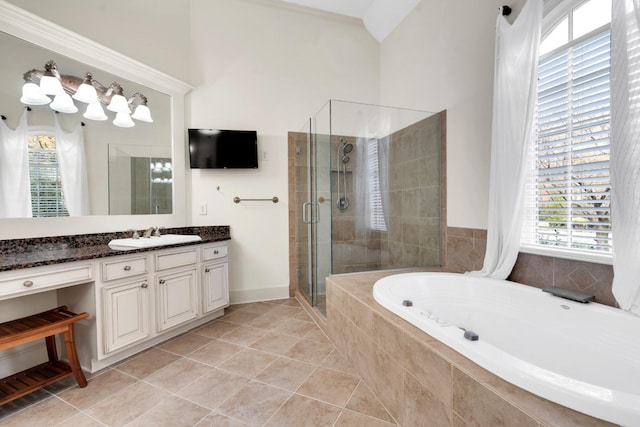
<point>216,252</point>
<point>144,286</point>
<point>162,281</point>
<point>27,284</point>
<point>127,268</point>
<point>206,270</point>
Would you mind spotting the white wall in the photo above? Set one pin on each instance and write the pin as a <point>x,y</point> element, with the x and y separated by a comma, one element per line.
<point>266,68</point>
<point>442,57</point>
<point>154,32</point>
<point>256,66</point>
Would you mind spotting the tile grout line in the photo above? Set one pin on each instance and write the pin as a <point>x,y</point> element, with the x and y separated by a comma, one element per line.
<point>295,318</point>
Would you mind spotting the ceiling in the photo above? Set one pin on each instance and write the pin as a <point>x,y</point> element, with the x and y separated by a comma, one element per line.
<point>380,17</point>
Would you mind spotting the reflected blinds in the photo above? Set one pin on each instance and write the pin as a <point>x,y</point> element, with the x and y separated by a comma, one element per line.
<point>46,189</point>
<point>376,214</point>
<point>571,188</point>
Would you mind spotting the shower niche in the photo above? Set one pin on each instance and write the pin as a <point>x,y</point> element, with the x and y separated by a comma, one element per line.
<point>366,193</point>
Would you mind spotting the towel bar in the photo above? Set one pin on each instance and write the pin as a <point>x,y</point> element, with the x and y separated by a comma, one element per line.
<point>238,200</point>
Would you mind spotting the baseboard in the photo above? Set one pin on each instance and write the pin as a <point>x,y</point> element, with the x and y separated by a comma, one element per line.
<point>17,359</point>
<point>256,295</point>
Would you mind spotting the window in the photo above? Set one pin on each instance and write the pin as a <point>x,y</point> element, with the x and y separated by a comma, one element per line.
<point>569,197</point>
<point>46,189</point>
<point>376,213</point>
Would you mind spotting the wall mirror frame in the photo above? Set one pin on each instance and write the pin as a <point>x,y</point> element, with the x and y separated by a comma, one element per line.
<point>38,31</point>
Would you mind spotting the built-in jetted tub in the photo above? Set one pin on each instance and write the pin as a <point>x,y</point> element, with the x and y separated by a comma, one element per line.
<point>583,356</point>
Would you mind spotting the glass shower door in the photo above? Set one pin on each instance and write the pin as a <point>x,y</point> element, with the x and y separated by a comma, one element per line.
<point>314,220</point>
<point>304,240</point>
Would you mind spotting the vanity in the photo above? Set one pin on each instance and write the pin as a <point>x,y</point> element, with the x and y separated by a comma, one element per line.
<point>135,298</point>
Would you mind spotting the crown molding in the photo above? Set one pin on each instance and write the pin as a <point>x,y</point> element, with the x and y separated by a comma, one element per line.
<point>34,29</point>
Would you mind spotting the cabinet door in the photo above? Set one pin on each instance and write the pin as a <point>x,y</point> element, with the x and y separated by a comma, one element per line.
<point>126,314</point>
<point>177,298</point>
<point>215,286</point>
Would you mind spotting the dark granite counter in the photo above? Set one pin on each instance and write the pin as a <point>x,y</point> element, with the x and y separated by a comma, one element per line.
<point>16,254</point>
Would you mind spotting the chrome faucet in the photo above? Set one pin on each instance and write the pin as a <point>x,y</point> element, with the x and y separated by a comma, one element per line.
<point>151,230</point>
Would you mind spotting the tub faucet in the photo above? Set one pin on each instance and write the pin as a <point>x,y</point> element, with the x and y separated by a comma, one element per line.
<point>151,230</point>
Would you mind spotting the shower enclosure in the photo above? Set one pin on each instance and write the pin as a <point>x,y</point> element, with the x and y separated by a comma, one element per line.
<point>365,193</point>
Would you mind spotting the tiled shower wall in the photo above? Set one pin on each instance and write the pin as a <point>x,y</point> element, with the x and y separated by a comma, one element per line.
<point>417,213</point>
<point>413,233</point>
<point>466,248</point>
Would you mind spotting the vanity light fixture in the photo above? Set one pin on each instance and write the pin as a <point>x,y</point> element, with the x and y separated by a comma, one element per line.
<point>65,89</point>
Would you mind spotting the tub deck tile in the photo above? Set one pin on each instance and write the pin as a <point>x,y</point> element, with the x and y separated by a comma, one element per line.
<point>468,394</point>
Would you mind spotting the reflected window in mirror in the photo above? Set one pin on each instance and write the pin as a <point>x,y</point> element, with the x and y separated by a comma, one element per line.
<point>47,199</point>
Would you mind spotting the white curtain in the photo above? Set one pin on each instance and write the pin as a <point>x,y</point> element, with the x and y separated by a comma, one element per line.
<point>625,152</point>
<point>15,185</point>
<point>514,101</point>
<point>73,169</point>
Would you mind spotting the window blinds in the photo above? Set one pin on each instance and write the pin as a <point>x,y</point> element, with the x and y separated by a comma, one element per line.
<point>571,189</point>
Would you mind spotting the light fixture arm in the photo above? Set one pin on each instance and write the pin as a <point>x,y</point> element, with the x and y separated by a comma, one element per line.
<point>143,99</point>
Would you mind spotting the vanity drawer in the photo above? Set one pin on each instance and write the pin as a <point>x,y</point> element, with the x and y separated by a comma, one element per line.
<point>175,259</point>
<point>112,270</point>
<point>42,279</point>
<point>214,252</point>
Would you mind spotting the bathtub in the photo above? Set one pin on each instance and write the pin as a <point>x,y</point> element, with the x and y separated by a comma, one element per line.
<point>583,356</point>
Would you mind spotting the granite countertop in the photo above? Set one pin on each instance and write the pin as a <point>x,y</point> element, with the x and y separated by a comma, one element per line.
<point>34,252</point>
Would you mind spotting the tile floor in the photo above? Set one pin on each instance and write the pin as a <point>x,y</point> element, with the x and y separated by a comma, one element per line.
<point>262,364</point>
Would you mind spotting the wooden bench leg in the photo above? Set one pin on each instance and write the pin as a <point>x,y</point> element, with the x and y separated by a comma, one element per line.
<point>52,349</point>
<point>74,363</point>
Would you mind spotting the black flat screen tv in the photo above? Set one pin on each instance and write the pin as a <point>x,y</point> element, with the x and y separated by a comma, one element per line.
<point>223,149</point>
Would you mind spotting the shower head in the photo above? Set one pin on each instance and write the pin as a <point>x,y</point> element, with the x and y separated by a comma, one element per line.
<point>345,159</point>
<point>347,147</point>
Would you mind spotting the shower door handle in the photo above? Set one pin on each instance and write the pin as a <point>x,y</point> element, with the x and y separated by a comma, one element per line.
<point>315,216</point>
<point>304,212</point>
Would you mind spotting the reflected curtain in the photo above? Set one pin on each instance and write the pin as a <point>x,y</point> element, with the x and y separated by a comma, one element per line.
<point>514,101</point>
<point>15,183</point>
<point>73,169</point>
<point>625,152</point>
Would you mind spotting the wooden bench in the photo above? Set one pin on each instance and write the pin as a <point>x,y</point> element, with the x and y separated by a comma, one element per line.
<point>42,325</point>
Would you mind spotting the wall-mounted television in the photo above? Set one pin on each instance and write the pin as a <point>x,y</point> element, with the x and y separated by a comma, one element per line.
<point>223,149</point>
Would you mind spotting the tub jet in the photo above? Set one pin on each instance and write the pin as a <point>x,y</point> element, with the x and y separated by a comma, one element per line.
<point>471,336</point>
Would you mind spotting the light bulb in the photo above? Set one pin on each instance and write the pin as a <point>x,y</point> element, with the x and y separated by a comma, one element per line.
<point>142,113</point>
<point>123,120</point>
<point>63,104</point>
<point>94,111</point>
<point>33,95</point>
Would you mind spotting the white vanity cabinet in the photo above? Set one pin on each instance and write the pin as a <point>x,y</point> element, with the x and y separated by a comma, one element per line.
<point>176,288</point>
<point>134,300</point>
<point>41,279</point>
<point>123,300</point>
<point>145,298</point>
<point>125,316</point>
<point>214,278</point>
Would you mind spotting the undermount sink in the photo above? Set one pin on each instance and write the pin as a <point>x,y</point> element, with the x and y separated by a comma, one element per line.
<point>150,242</point>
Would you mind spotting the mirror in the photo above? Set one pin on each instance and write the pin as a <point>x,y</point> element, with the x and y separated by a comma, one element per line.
<point>100,137</point>
<point>33,29</point>
<point>140,179</point>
